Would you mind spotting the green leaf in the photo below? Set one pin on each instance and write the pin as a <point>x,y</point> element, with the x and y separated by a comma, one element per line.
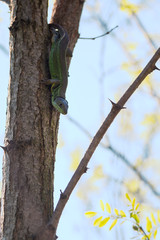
<point>108,208</point>
<point>90,214</point>
<point>97,221</point>
<point>113,224</point>
<point>104,221</point>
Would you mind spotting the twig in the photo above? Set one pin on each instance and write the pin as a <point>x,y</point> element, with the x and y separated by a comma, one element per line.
<point>4,49</point>
<point>93,38</point>
<point>140,24</point>
<point>120,156</point>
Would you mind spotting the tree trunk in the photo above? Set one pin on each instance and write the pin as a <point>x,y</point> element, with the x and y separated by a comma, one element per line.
<point>31,129</point>
<point>32,123</point>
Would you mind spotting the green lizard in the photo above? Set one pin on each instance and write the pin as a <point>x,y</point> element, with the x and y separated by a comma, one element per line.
<point>58,68</point>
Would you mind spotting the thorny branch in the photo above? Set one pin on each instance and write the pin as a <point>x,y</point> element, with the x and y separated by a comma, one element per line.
<point>120,156</point>
<point>82,168</point>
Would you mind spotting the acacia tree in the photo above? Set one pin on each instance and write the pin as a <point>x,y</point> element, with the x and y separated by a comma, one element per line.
<point>32,123</point>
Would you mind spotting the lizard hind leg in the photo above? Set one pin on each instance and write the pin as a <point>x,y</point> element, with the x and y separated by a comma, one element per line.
<point>54,82</point>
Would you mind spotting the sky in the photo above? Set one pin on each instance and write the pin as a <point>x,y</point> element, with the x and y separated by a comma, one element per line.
<point>96,75</point>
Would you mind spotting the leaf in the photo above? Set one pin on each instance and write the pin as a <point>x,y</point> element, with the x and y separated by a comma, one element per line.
<point>108,208</point>
<point>90,214</point>
<point>97,221</point>
<point>133,185</point>
<point>116,211</point>
<point>75,159</point>
<point>129,7</point>
<point>137,206</point>
<point>148,224</point>
<point>136,218</point>
<point>102,205</point>
<point>155,234</point>
<point>133,202</point>
<point>98,173</point>
<point>128,197</point>
<point>122,213</point>
<point>104,221</point>
<point>113,224</point>
<point>158,215</point>
<point>153,219</point>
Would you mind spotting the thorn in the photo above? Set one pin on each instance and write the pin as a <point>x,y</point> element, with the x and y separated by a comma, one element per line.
<point>116,105</point>
<point>62,195</point>
<point>4,148</point>
<point>86,169</point>
<point>156,68</point>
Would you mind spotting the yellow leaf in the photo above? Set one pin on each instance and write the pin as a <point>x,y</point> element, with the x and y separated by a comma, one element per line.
<point>102,205</point>
<point>129,7</point>
<point>132,46</point>
<point>144,237</point>
<point>113,224</point>
<point>75,159</point>
<point>116,211</point>
<point>108,208</point>
<point>155,234</point>
<point>122,213</point>
<point>158,215</point>
<point>133,185</point>
<point>90,214</point>
<point>137,206</point>
<point>60,142</point>
<point>128,197</point>
<point>149,235</point>
<point>104,221</point>
<point>98,173</point>
<point>133,202</point>
<point>153,219</point>
<point>97,221</point>
<point>150,119</point>
<point>136,218</point>
<point>148,224</point>
<point>125,66</point>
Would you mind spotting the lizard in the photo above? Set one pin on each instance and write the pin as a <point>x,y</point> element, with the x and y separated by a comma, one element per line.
<point>58,68</point>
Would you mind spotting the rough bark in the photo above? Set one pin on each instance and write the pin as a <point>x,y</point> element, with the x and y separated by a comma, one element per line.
<point>32,123</point>
<point>31,128</point>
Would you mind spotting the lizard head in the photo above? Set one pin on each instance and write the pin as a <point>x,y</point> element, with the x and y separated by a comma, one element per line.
<point>61,105</point>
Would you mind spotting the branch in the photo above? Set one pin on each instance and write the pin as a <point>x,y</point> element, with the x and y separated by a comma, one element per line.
<point>140,24</point>
<point>50,228</point>
<point>102,35</point>
<point>120,156</point>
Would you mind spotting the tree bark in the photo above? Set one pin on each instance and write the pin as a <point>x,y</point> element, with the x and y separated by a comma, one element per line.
<point>32,123</point>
